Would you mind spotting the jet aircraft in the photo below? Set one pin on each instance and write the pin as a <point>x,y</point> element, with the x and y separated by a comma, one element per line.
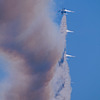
<point>64,11</point>
<point>69,55</point>
<point>69,31</point>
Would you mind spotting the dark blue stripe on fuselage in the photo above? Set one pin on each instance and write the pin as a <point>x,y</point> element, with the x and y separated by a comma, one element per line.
<point>63,12</point>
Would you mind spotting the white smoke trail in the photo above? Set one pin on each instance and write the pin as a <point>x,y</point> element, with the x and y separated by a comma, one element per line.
<point>61,82</point>
<point>31,43</point>
<point>29,40</point>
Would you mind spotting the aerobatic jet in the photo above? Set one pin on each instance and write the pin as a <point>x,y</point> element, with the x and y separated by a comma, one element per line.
<point>69,55</point>
<point>69,31</point>
<point>64,11</point>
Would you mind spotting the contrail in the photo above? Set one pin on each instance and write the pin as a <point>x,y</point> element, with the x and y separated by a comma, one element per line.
<point>30,46</point>
<point>61,82</point>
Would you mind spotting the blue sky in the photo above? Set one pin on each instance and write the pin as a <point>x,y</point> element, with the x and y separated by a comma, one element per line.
<point>84,43</point>
<point>3,73</point>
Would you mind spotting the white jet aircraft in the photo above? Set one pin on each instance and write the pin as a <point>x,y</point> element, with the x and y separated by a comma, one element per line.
<point>64,11</point>
<point>68,10</point>
<point>69,55</point>
<point>69,31</point>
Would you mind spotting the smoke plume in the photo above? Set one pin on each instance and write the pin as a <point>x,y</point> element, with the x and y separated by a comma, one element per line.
<point>61,81</point>
<point>31,46</point>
